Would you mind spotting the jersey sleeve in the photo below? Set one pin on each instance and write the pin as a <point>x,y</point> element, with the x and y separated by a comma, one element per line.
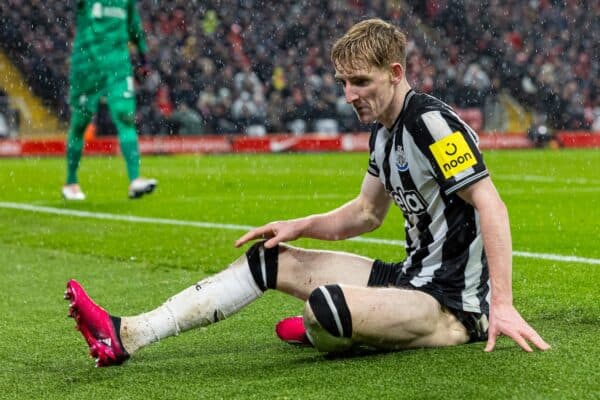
<point>135,29</point>
<point>451,148</point>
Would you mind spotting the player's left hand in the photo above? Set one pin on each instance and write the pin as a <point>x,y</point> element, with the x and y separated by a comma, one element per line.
<point>506,320</point>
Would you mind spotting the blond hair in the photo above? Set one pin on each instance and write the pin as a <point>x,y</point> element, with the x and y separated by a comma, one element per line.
<point>367,44</point>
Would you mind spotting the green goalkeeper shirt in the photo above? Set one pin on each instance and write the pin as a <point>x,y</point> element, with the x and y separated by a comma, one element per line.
<point>104,29</point>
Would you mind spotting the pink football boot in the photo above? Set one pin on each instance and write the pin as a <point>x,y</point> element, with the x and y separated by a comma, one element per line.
<point>291,330</point>
<point>99,329</point>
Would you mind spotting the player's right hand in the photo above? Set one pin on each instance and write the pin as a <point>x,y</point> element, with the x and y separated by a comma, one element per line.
<point>274,233</point>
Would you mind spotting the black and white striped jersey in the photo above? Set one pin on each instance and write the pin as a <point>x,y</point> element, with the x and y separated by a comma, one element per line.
<point>428,155</point>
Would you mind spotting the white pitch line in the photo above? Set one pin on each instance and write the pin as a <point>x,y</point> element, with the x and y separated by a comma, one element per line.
<point>555,257</point>
<point>546,179</point>
<point>235,227</point>
<point>127,218</point>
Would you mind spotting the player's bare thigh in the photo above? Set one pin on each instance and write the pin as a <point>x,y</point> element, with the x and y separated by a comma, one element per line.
<point>393,318</point>
<point>300,271</point>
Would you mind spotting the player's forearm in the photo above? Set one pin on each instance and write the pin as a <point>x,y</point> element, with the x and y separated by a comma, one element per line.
<point>352,219</point>
<point>136,30</point>
<point>498,248</point>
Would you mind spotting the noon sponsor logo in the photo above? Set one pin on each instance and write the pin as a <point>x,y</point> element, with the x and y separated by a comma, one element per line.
<point>453,154</point>
<point>456,162</point>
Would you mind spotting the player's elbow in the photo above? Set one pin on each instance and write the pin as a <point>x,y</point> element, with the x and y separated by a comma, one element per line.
<point>493,203</point>
<point>371,218</point>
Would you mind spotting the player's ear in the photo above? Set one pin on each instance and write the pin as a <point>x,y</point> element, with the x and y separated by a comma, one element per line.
<point>396,72</point>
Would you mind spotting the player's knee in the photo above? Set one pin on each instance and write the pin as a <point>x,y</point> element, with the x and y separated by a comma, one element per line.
<point>79,121</point>
<point>123,113</point>
<point>263,265</point>
<point>126,118</point>
<point>327,319</point>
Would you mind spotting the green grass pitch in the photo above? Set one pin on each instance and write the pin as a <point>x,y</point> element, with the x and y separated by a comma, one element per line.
<point>130,266</point>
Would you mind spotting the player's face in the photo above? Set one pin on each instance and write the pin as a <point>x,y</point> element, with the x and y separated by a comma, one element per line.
<point>370,92</point>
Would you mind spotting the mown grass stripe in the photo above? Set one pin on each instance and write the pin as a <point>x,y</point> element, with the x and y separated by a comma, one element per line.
<point>236,227</point>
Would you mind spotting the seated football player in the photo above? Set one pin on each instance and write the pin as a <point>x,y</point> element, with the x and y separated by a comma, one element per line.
<point>453,287</point>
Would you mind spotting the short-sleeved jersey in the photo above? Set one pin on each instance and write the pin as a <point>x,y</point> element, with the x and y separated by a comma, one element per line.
<point>103,31</point>
<point>428,155</point>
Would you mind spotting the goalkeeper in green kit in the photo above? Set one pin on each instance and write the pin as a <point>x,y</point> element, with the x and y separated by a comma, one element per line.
<point>101,67</point>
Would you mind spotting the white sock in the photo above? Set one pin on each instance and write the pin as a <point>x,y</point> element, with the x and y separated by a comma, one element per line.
<point>210,300</point>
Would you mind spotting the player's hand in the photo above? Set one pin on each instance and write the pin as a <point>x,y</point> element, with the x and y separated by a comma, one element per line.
<point>506,320</point>
<point>274,233</point>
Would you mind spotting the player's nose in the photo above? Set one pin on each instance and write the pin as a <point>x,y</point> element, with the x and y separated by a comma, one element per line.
<point>350,95</point>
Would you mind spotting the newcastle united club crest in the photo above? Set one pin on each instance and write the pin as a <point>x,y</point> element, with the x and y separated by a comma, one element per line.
<point>401,163</point>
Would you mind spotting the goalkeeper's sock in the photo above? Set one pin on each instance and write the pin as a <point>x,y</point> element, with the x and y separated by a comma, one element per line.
<point>75,142</point>
<point>131,154</point>
<point>209,301</point>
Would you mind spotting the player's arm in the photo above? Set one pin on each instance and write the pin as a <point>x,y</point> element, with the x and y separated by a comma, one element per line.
<point>362,214</point>
<point>495,228</point>
<point>135,29</point>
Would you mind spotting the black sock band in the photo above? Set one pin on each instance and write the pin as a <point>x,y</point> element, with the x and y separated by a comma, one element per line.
<point>331,310</point>
<point>263,265</point>
<point>117,324</point>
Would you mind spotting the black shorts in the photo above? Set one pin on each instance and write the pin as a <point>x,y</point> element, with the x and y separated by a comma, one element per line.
<point>385,274</point>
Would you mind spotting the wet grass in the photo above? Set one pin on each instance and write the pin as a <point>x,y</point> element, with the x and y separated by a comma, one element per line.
<point>553,198</point>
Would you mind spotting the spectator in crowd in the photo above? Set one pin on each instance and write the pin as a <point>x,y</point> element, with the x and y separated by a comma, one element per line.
<point>186,121</point>
<point>245,110</point>
<point>298,112</point>
<point>9,117</point>
<point>324,95</point>
<point>476,83</point>
<point>274,122</point>
<point>530,51</point>
<point>163,102</point>
<point>221,121</point>
<point>4,128</point>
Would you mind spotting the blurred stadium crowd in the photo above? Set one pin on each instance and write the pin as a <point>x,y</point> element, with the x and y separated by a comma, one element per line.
<point>251,66</point>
